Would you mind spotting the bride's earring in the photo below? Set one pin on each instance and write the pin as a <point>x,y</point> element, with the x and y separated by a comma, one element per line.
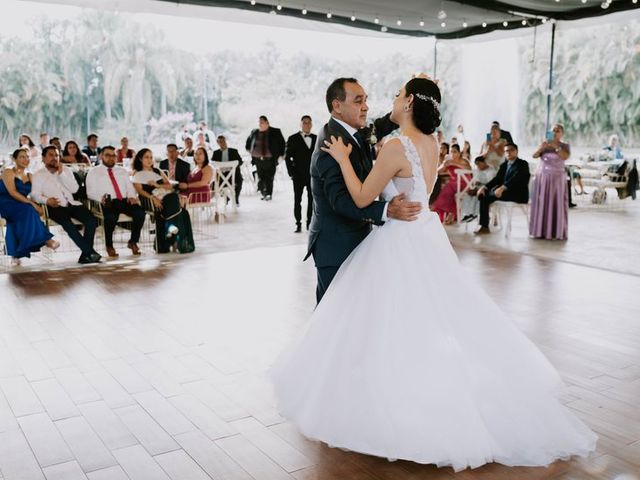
<point>406,108</point>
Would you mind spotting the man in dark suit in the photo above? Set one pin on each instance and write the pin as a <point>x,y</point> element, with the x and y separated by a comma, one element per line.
<point>338,225</point>
<point>298,159</point>
<point>503,133</point>
<point>266,146</point>
<point>178,169</point>
<point>226,154</point>
<point>91,149</point>
<point>511,184</point>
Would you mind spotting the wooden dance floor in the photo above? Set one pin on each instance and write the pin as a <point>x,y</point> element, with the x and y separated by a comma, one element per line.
<point>155,368</point>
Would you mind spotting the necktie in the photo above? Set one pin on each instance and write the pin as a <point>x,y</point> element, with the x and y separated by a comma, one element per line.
<point>115,184</point>
<point>509,166</point>
<point>359,138</point>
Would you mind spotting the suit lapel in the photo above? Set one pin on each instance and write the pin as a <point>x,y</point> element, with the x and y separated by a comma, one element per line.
<point>358,156</point>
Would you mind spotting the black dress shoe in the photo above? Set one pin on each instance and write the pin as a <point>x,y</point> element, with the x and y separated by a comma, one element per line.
<point>572,205</point>
<point>84,259</point>
<point>298,228</point>
<point>95,257</point>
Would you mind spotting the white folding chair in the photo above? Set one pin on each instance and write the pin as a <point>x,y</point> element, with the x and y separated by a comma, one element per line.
<point>462,174</point>
<point>225,186</point>
<point>202,210</point>
<point>499,206</point>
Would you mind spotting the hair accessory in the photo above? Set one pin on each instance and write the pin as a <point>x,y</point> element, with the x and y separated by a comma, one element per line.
<point>425,98</point>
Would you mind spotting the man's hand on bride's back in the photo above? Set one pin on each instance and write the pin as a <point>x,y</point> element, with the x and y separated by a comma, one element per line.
<point>400,209</point>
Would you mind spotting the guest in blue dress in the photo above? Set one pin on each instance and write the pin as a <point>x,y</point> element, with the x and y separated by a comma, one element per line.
<point>25,231</point>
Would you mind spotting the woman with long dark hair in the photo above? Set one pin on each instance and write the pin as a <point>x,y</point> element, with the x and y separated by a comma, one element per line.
<point>72,154</point>
<point>26,233</point>
<point>173,225</point>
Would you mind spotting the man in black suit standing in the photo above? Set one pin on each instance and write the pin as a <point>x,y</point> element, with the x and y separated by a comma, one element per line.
<point>91,149</point>
<point>178,170</point>
<point>226,154</point>
<point>298,159</point>
<point>338,225</point>
<point>266,146</point>
<point>511,184</point>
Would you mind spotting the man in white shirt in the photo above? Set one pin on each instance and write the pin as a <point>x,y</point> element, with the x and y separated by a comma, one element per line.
<point>110,185</point>
<point>55,185</point>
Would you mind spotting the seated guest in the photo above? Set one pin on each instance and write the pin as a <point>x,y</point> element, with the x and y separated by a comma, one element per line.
<point>153,184</point>
<point>197,188</point>
<point>92,150</point>
<point>511,184</point>
<point>55,186</point>
<point>72,154</point>
<point>25,231</point>
<point>178,169</point>
<point>44,141</point>
<point>445,204</point>
<point>493,147</point>
<point>444,153</point>
<point>124,151</point>
<point>481,176</point>
<point>35,162</point>
<point>466,151</point>
<point>188,150</point>
<point>226,154</point>
<point>55,141</point>
<point>613,146</point>
<point>110,185</point>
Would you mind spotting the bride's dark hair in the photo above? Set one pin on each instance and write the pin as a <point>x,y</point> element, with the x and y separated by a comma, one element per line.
<point>426,104</point>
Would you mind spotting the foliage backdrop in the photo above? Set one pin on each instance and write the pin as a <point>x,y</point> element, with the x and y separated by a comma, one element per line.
<point>119,77</point>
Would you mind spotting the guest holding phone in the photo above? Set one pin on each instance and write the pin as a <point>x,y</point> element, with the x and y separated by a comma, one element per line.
<point>493,148</point>
<point>550,196</point>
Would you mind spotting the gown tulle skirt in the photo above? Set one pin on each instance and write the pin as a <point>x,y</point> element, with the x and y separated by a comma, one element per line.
<point>407,358</point>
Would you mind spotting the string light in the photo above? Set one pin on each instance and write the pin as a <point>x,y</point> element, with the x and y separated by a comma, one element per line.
<point>376,20</point>
<point>422,23</point>
<point>304,11</point>
<point>505,24</point>
<point>384,29</point>
<point>465,24</point>
<point>544,20</point>
<point>484,24</point>
<point>279,7</point>
<point>399,22</point>
<point>253,2</point>
<point>329,15</point>
<point>353,18</point>
<point>443,24</point>
<point>524,22</point>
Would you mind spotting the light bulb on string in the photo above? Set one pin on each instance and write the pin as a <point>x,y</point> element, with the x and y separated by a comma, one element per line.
<point>399,22</point>
<point>422,23</point>
<point>505,24</point>
<point>465,24</point>
<point>304,11</point>
<point>253,2</point>
<point>484,24</point>
<point>329,15</point>
<point>376,20</point>
<point>279,7</point>
<point>443,24</point>
<point>353,18</point>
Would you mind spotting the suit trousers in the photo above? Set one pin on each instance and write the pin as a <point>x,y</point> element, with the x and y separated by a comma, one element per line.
<point>486,200</point>
<point>325,277</point>
<point>266,169</point>
<point>111,213</point>
<point>63,216</point>
<point>299,184</point>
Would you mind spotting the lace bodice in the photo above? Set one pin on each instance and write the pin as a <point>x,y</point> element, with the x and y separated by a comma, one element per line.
<point>414,186</point>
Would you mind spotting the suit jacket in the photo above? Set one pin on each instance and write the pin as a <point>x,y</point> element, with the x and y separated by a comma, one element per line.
<point>506,135</point>
<point>517,182</point>
<point>297,156</point>
<point>338,225</point>
<point>182,169</point>
<point>276,142</point>
<point>233,155</point>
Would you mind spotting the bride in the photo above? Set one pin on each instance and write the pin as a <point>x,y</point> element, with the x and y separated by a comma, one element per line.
<point>393,363</point>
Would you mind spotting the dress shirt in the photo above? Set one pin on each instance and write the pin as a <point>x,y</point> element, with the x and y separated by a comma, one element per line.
<point>224,157</point>
<point>53,185</point>
<point>99,184</point>
<point>350,130</point>
<point>307,139</point>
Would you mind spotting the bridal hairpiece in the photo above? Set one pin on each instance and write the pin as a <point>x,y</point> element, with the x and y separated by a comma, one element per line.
<point>425,98</point>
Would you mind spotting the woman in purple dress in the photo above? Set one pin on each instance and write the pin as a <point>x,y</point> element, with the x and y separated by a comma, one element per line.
<point>549,200</point>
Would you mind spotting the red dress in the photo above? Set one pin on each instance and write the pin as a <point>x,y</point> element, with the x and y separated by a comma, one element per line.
<point>446,201</point>
<point>197,194</point>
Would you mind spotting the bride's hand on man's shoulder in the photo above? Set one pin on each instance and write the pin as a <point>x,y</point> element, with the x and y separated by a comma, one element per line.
<point>337,149</point>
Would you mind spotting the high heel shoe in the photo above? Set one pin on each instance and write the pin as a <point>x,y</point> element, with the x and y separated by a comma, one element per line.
<point>15,262</point>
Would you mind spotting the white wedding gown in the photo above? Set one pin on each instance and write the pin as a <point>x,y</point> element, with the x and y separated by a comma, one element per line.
<point>397,363</point>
